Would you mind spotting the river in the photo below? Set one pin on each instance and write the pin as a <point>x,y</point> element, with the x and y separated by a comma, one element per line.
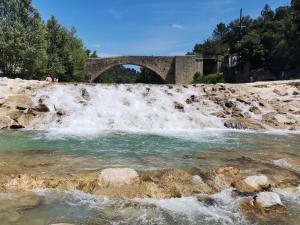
<point>138,128</point>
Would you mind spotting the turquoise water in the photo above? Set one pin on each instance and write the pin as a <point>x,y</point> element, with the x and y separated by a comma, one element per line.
<point>145,151</point>
<point>142,151</point>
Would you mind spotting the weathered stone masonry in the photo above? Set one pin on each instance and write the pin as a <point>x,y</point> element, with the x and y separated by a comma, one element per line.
<point>172,69</point>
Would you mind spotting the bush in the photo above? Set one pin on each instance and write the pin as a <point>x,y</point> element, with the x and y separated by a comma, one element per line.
<point>208,79</point>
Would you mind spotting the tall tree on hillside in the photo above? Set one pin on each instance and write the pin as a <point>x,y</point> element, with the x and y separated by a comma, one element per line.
<point>220,31</point>
<point>66,53</point>
<point>22,40</point>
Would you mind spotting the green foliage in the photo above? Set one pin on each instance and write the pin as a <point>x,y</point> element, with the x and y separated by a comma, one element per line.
<point>271,41</point>
<point>94,55</point>
<point>67,55</point>
<point>147,76</point>
<point>22,40</point>
<point>208,79</point>
<point>118,74</point>
<point>30,49</point>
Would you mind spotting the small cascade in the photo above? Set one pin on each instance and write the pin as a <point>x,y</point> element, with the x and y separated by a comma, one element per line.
<point>88,108</point>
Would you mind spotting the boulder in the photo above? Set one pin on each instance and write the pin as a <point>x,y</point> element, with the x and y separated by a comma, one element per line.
<point>285,120</point>
<point>178,183</point>
<point>179,106</point>
<point>270,120</point>
<point>243,124</point>
<point>6,122</point>
<point>41,108</point>
<point>221,178</point>
<point>25,120</point>
<point>281,92</point>
<point>85,94</point>
<point>252,184</point>
<point>118,177</point>
<point>255,110</point>
<point>266,206</point>
<point>20,102</point>
<point>20,200</point>
<point>268,199</point>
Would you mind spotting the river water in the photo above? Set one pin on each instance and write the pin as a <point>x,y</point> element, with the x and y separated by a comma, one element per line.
<point>148,151</point>
<point>139,127</point>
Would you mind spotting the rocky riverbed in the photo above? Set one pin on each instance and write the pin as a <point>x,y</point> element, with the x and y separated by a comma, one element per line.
<point>258,106</point>
<point>255,183</point>
<point>53,139</point>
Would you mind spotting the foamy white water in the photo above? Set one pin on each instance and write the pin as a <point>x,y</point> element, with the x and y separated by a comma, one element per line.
<point>126,108</point>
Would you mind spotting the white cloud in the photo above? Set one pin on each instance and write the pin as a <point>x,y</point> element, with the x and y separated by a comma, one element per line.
<point>97,46</point>
<point>177,26</point>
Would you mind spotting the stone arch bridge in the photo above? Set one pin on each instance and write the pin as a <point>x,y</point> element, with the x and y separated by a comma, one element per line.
<point>172,69</point>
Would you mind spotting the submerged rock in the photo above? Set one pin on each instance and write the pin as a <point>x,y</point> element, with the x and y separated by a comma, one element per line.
<point>19,200</point>
<point>178,183</point>
<point>222,178</point>
<point>118,177</point>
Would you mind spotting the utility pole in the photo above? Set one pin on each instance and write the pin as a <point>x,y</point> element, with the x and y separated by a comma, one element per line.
<point>241,22</point>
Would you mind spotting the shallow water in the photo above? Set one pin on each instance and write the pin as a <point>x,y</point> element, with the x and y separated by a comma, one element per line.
<point>192,151</point>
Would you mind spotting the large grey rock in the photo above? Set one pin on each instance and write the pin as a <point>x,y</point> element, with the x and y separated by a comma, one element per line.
<point>268,199</point>
<point>253,184</point>
<point>266,206</point>
<point>118,177</point>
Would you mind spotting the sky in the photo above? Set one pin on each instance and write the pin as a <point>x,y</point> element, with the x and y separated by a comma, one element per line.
<point>147,27</point>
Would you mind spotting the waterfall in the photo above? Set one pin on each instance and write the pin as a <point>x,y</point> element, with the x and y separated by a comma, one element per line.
<point>95,108</point>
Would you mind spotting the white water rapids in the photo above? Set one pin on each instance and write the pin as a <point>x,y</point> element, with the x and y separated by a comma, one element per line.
<point>126,108</point>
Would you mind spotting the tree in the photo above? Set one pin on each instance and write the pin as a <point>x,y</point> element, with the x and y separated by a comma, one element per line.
<point>22,40</point>
<point>66,53</point>
<point>220,31</point>
<point>147,76</point>
<point>94,55</point>
<point>271,41</point>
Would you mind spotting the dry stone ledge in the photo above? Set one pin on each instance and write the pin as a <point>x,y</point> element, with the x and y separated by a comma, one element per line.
<point>118,177</point>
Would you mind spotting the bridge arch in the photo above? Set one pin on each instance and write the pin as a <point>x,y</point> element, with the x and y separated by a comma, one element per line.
<point>162,66</point>
<point>103,70</point>
<point>172,69</point>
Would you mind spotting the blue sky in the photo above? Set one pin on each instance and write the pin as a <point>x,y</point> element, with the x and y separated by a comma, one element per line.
<point>146,27</point>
